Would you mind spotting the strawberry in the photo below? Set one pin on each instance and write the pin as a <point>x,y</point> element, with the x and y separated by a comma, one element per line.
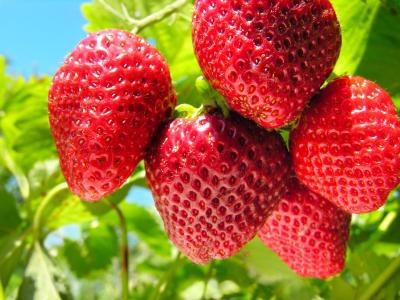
<point>308,232</point>
<point>267,58</point>
<point>346,146</point>
<point>105,103</point>
<point>214,181</point>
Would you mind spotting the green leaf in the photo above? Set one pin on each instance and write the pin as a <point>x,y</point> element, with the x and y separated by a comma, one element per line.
<point>9,215</point>
<point>300,289</point>
<point>9,162</point>
<point>100,245</point>
<point>24,123</point>
<point>342,289</point>
<point>11,249</point>
<point>43,177</point>
<point>42,281</point>
<point>371,42</point>
<point>234,270</point>
<point>380,61</point>
<point>394,6</point>
<point>69,209</point>
<point>76,260</point>
<point>260,259</point>
<point>24,130</point>
<point>366,266</point>
<point>356,19</point>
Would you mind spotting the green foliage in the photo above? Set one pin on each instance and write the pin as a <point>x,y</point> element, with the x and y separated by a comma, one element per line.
<point>24,125</point>
<point>99,240</point>
<point>10,255</point>
<point>371,42</point>
<point>41,272</point>
<point>35,206</point>
<point>9,216</point>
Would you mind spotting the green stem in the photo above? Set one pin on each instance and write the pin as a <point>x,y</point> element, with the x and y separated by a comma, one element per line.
<point>381,280</point>
<point>207,279</point>
<point>166,278</point>
<point>140,24</point>
<point>124,251</point>
<point>223,106</point>
<point>37,220</point>
<point>159,15</point>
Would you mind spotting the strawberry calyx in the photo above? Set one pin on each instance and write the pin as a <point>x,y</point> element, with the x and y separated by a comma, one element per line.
<point>211,97</point>
<point>187,111</point>
<point>212,101</point>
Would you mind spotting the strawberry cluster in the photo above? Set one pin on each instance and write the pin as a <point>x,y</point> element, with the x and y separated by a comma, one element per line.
<point>219,180</point>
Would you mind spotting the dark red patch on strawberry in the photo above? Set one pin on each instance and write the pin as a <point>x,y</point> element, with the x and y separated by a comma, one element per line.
<point>214,181</point>
<point>105,104</point>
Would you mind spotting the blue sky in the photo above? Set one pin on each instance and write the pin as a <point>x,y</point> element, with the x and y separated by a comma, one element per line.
<point>36,35</point>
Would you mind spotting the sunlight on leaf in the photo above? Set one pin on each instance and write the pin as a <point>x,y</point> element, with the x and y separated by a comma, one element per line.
<point>15,169</point>
<point>356,19</point>
<point>11,250</point>
<point>41,279</point>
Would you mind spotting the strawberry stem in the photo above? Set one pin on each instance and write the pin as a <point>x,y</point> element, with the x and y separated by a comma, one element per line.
<point>124,251</point>
<point>37,219</point>
<point>140,24</point>
<point>381,280</point>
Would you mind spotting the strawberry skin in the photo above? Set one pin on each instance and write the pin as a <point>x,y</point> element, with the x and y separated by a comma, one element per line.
<point>267,58</point>
<point>308,232</point>
<point>105,103</point>
<point>346,146</point>
<point>214,181</point>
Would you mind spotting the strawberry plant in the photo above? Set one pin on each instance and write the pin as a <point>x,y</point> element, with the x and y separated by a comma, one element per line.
<point>127,175</point>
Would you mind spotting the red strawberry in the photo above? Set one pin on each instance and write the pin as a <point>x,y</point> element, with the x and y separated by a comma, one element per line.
<point>105,104</point>
<point>308,232</point>
<point>214,181</point>
<point>346,146</point>
<point>267,58</point>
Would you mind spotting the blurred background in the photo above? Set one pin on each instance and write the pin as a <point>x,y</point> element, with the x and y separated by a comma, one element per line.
<point>53,246</point>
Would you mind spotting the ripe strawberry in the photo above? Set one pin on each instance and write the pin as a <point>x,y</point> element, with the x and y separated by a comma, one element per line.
<point>308,232</point>
<point>105,104</point>
<point>267,58</point>
<point>214,181</point>
<point>346,146</point>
